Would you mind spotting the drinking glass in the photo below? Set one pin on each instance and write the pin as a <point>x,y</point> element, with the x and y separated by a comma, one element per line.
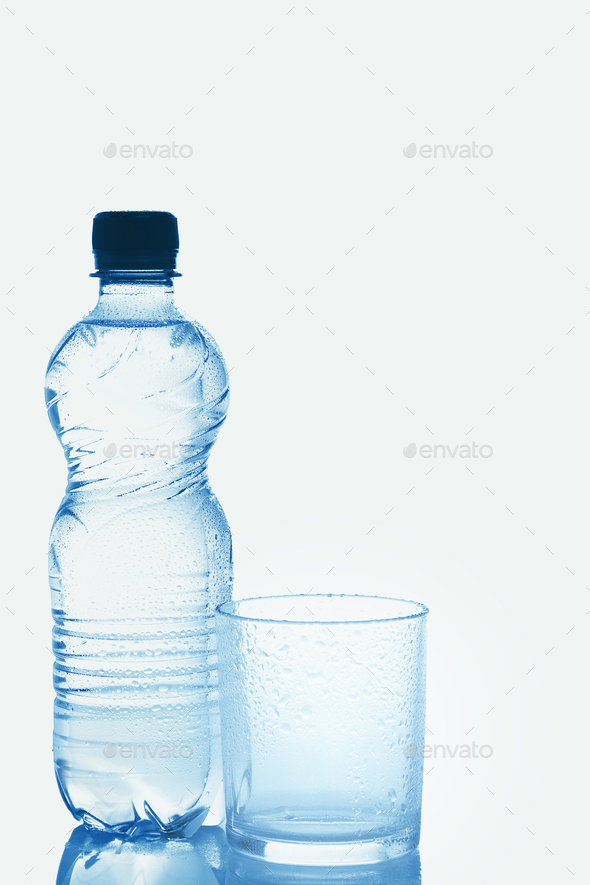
<point>320,696</point>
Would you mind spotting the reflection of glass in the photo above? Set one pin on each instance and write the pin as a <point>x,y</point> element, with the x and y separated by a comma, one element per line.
<point>320,696</point>
<point>147,858</point>
<point>242,870</point>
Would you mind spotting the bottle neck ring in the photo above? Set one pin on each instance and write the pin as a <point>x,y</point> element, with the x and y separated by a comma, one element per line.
<point>140,276</point>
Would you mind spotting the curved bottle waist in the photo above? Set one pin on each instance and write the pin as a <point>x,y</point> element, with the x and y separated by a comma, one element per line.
<point>105,466</point>
<point>111,479</point>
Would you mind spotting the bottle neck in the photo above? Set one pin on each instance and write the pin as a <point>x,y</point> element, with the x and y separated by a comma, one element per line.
<point>135,295</point>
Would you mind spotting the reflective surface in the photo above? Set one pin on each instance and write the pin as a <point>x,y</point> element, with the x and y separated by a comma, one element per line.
<point>147,858</point>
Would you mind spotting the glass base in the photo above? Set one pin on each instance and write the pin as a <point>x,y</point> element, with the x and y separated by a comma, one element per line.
<point>402,870</point>
<point>321,852</point>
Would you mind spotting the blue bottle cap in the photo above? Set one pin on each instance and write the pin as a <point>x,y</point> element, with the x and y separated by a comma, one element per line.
<point>135,240</point>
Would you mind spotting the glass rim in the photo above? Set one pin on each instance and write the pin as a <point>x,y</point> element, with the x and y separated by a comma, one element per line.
<point>420,610</point>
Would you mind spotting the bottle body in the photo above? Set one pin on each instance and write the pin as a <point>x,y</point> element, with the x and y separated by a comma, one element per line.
<point>140,555</point>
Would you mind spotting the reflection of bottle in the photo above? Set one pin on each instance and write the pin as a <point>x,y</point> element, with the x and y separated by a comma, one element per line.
<point>140,551</point>
<point>91,858</point>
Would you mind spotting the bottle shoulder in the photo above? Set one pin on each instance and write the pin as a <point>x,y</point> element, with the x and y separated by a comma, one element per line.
<point>171,350</point>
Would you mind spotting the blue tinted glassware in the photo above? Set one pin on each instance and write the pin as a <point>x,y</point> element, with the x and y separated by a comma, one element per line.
<point>320,696</point>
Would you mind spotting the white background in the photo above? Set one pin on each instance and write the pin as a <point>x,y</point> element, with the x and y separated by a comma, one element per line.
<point>363,301</point>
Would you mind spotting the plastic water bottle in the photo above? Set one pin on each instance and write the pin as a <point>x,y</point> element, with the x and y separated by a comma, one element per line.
<point>140,550</point>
